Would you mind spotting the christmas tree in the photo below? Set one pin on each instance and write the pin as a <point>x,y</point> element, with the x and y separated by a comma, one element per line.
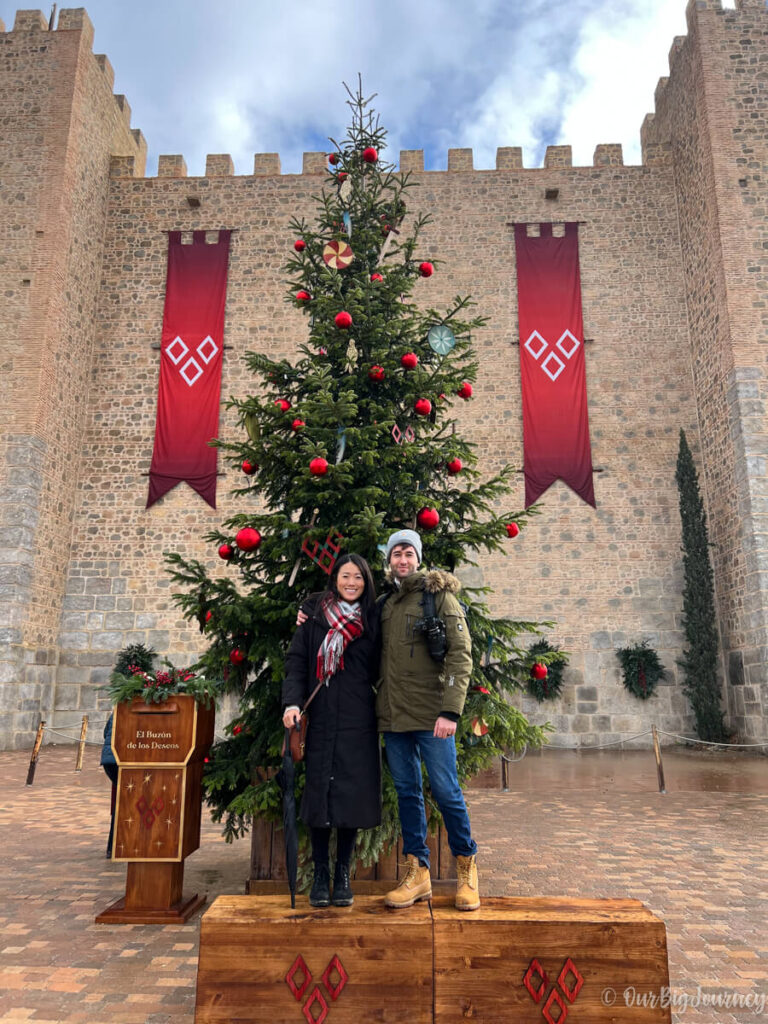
<point>699,661</point>
<point>352,440</point>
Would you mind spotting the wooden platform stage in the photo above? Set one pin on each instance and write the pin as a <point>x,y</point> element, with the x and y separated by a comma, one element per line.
<point>514,961</point>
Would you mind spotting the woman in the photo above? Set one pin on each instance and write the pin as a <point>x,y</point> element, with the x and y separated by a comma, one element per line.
<point>338,645</point>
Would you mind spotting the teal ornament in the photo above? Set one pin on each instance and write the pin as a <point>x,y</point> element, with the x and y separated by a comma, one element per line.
<point>341,444</point>
<point>347,223</point>
<point>441,339</point>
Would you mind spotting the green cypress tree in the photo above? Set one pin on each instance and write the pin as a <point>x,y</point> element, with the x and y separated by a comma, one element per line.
<point>347,400</point>
<point>699,661</point>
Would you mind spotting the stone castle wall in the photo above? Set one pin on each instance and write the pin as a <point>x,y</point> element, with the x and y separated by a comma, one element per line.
<point>651,283</point>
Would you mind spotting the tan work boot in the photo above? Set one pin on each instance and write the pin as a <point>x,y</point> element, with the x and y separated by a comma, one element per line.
<point>467,890</point>
<point>416,885</point>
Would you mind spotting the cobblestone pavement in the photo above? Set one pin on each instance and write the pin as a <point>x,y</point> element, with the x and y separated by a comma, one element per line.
<point>573,824</point>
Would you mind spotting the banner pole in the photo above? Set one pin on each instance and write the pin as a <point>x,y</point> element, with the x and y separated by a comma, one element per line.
<point>35,752</point>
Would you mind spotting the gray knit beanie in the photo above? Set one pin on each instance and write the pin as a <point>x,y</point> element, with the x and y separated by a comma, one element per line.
<point>403,537</point>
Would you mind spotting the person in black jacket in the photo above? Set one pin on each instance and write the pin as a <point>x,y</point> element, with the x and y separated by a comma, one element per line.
<point>338,645</point>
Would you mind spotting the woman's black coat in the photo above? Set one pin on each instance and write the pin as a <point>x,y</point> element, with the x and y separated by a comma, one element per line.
<point>343,785</point>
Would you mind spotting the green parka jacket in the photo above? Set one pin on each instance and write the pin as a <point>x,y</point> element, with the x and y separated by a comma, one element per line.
<point>413,689</point>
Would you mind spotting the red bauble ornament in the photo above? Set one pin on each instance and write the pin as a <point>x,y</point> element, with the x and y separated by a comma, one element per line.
<point>226,552</point>
<point>385,229</point>
<point>428,518</point>
<point>283,404</point>
<point>423,406</point>
<point>318,466</point>
<point>512,529</point>
<point>342,175</point>
<point>249,468</point>
<point>410,360</point>
<point>370,155</point>
<point>343,320</point>
<point>299,245</point>
<point>208,615</point>
<point>297,424</point>
<point>481,689</point>
<point>539,671</point>
<point>377,373</point>
<point>455,466</point>
<point>247,539</point>
<point>333,158</point>
<point>465,391</point>
<point>302,296</point>
<point>238,728</point>
<point>479,728</point>
<point>236,657</point>
<point>426,269</point>
<point>376,277</point>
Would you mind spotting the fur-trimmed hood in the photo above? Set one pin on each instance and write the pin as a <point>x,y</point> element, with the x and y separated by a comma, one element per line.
<point>435,581</point>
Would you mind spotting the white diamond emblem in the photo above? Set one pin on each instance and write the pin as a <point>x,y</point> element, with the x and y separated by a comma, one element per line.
<point>532,341</point>
<point>568,344</point>
<point>550,371</point>
<point>207,349</point>
<point>190,365</point>
<point>178,355</point>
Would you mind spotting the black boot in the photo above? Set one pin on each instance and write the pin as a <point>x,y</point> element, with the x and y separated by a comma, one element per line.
<point>320,896</point>
<point>342,892</point>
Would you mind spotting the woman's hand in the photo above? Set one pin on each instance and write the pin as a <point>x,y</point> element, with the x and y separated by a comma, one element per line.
<point>301,617</point>
<point>291,717</point>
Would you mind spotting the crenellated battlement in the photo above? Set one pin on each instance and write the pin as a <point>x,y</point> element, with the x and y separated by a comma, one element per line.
<point>460,161</point>
<point>76,20</point>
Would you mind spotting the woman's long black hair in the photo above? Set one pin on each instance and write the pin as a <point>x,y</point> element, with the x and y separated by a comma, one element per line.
<point>368,596</point>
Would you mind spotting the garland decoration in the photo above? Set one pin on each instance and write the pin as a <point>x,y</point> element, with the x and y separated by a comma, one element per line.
<point>642,669</point>
<point>550,686</point>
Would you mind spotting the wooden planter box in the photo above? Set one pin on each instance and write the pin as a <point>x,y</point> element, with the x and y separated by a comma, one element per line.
<point>268,874</point>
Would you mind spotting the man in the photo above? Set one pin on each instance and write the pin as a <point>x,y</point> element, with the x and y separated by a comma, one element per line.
<point>418,705</point>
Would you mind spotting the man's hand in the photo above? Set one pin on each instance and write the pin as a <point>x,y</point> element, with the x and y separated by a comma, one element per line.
<point>301,617</point>
<point>291,717</point>
<point>444,728</point>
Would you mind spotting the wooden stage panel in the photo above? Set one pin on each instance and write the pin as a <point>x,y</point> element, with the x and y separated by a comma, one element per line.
<point>577,955</point>
<point>248,945</point>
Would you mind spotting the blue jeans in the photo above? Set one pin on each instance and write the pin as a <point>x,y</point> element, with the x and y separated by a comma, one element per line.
<point>405,752</point>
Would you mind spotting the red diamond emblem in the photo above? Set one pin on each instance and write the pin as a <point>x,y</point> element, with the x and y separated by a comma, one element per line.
<point>335,965</point>
<point>298,965</point>
<point>535,968</point>
<point>554,997</point>
<point>307,1007</point>
<point>569,967</point>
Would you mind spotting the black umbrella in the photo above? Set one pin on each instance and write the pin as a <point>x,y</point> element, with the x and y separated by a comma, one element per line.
<point>286,779</point>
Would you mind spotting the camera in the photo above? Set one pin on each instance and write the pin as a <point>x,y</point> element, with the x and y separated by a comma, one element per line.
<point>435,636</point>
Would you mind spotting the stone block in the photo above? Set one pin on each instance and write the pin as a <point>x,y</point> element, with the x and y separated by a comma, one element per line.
<point>266,163</point>
<point>460,160</point>
<point>509,158</point>
<point>119,620</point>
<point>108,641</point>
<point>314,163</point>
<point>219,165</point>
<point>76,641</point>
<point>411,160</point>
<point>171,166</point>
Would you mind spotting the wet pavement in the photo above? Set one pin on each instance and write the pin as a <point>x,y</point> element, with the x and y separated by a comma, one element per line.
<point>588,823</point>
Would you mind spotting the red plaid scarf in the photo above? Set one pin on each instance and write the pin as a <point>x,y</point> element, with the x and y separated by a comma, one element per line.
<point>346,624</point>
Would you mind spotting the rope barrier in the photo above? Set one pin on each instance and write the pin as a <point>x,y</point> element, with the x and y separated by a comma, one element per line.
<point>710,743</point>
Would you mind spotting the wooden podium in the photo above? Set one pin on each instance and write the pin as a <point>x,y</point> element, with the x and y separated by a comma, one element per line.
<point>521,960</point>
<point>160,750</point>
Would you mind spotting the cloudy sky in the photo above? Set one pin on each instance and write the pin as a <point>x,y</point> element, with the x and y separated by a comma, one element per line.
<point>247,76</point>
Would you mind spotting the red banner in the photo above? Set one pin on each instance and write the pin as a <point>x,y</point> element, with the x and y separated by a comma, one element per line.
<point>190,367</point>
<point>554,385</point>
